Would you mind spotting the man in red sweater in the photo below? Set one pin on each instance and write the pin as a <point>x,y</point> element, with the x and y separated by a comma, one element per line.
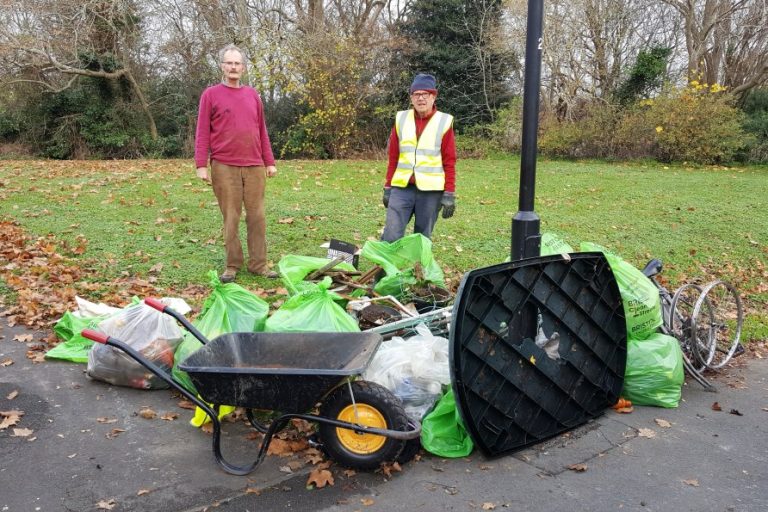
<point>231,131</point>
<point>421,175</point>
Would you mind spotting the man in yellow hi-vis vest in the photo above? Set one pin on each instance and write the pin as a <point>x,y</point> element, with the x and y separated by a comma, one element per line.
<point>421,175</point>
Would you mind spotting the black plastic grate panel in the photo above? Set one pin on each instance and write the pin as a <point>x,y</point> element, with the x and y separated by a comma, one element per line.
<point>537,347</point>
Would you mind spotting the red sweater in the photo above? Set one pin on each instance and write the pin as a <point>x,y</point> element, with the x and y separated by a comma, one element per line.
<point>447,151</point>
<point>231,128</point>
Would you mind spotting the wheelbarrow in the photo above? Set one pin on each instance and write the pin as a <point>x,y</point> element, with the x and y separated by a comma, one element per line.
<point>361,424</point>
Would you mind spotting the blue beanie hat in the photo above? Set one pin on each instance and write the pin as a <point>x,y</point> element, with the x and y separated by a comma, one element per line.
<point>424,82</point>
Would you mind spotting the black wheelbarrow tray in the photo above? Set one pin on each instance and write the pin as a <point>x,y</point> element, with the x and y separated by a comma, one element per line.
<point>361,424</point>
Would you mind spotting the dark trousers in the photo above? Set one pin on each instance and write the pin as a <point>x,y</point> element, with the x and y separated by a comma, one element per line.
<point>408,202</point>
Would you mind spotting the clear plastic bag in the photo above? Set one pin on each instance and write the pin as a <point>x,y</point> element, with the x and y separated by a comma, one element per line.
<point>151,333</point>
<point>414,369</point>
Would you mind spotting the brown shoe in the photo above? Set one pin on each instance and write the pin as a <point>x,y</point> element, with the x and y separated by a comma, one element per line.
<point>228,275</point>
<point>269,274</point>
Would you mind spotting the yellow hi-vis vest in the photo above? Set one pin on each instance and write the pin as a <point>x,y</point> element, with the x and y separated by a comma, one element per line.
<point>421,156</point>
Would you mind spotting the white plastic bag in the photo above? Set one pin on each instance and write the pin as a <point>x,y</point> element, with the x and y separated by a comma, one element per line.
<point>414,369</point>
<point>153,334</point>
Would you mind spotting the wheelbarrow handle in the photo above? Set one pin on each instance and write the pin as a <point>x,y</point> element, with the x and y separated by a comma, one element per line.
<point>155,303</point>
<point>212,413</point>
<point>98,337</point>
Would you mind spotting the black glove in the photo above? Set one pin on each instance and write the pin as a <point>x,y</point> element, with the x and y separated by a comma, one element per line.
<point>448,203</point>
<point>385,197</point>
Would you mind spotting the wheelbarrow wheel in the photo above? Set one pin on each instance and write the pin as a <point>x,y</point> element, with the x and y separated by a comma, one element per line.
<point>373,406</point>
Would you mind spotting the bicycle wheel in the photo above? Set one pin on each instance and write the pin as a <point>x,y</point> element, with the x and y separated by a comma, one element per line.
<point>719,311</point>
<point>679,320</point>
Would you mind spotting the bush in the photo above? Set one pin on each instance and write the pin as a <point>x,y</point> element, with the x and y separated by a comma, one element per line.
<point>698,123</point>
<point>756,124</point>
<point>591,135</point>
<point>9,125</point>
<point>495,139</point>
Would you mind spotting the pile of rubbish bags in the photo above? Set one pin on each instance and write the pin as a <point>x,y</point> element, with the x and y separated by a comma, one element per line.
<point>415,366</point>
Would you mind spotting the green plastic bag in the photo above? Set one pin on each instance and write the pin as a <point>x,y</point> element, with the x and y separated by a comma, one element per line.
<point>293,269</point>
<point>398,259</point>
<point>188,345</point>
<point>442,432</point>
<point>654,374</point>
<point>642,305</point>
<point>553,244</point>
<point>313,310</point>
<point>229,308</point>
<point>73,347</point>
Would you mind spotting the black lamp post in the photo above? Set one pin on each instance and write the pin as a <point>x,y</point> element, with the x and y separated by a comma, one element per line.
<point>526,238</point>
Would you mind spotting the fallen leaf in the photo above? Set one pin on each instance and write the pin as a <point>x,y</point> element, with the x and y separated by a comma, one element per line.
<point>114,433</point>
<point>735,412</point>
<point>295,465</point>
<point>285,220</point>
<point>6,362</point>
<point>13,394</point>
<point>579,468</point>
<point>142,492</point>
<point>36,356</point>
<point>646,432</point>
<point>147,413</point>
<point>169,416</point>
<point>349,473</point>
<point>662,423</point>
<point>186,404</point>
<point>104,419</point>
<point>716,407</point>
<point>320,478</point>
<point>23,338</point>
<point>692,483</point>
<point>624,410</point>
<point>314,456</point>
<point>10,418</point>
<point>22,432</point>
<point>367,501</point>
<point>284,448</point>
<point>387,469</point>
<point>253,490</point>
<point>106,504</point>
<point>488,506</point>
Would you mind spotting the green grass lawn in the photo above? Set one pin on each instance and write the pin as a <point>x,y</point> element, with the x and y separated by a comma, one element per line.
<point>702,222</point>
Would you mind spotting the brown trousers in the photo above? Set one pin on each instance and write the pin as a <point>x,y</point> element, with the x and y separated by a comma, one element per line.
<point>235,187</point>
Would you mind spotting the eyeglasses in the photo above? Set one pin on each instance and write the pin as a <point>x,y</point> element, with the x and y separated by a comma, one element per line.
<point>421,95</point>
<point>232,64</point>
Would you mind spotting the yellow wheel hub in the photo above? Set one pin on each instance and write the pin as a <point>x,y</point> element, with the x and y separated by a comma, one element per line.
<point>367,415</point>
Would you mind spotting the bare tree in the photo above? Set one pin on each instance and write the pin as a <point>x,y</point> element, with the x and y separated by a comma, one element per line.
<point>589,45</point>
<point>52,43</point>
<point>726,41</point>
